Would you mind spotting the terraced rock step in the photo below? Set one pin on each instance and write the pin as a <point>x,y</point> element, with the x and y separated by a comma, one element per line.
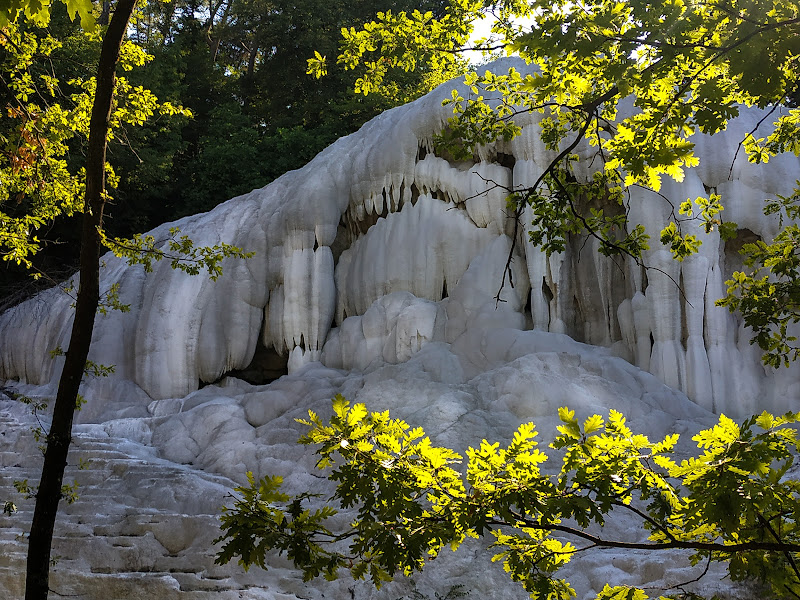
<point>142,527</point>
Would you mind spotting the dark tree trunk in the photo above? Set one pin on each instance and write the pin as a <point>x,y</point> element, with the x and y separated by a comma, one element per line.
<point>213,41</point>
<point>251,61</point>
<point>59,437</point>
<point>105,13</point>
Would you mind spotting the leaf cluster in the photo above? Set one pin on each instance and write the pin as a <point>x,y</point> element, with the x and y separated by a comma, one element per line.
<point>732,503</point>
<point>769,303</point>
<point>45,119</point>
<point>38,12</point>
<point>178,249</point>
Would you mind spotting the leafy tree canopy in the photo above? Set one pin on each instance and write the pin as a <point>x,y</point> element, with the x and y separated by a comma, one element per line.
<point>689,66</point>
<point>730,504</point>
<point>48,86</point>
<point>239,67</point>
<point>45,118</point>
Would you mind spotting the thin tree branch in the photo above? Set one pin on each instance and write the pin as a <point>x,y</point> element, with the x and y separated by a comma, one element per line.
<point>677,544</point>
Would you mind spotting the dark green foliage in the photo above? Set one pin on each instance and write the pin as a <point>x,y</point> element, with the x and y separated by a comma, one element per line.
<point>256,113</point>
<point>240,67</point>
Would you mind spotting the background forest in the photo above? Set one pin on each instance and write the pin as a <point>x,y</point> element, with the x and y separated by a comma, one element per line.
<point>240,67</point>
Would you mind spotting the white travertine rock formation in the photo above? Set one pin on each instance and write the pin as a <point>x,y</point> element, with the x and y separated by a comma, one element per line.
<point>146,516</point>
<point>378,213</point>
<point>375,275</point>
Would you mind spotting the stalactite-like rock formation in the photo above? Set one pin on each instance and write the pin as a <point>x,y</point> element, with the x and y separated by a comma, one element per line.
<point>378,212</point>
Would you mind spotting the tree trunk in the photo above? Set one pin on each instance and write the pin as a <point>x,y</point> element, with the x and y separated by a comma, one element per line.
<point>105,13</point>
<point>59,437</point>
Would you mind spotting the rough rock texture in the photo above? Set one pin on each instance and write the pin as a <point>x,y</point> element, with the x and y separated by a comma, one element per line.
<point>378,212</point>
<point>145,520</point>
<point>375,274</point>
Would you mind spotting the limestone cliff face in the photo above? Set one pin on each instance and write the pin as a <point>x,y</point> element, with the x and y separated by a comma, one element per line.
<point>378,213</point>
<point>374,277</point>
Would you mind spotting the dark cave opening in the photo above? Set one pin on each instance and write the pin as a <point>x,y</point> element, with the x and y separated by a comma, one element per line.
<point>267,366</point>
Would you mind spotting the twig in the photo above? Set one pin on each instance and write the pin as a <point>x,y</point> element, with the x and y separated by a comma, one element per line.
<point>748,134</point>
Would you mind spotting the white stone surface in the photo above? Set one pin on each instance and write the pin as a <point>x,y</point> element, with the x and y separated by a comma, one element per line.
<point>401,223</point>
<point>376,275</point>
